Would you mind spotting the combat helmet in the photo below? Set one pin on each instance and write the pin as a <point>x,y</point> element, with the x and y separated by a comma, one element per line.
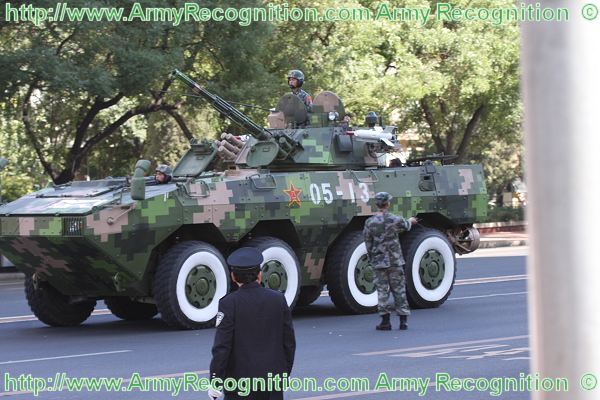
<point>299,75</point>
<point>166,170</point>
<point>382,198</point>
<point>371,119</point>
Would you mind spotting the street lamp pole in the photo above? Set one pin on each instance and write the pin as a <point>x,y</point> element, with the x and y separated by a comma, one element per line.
<point>560,87</point>
<point>3,163</point>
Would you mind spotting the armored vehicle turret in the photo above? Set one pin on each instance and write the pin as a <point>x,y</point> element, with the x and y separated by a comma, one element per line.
<point>299,191</point>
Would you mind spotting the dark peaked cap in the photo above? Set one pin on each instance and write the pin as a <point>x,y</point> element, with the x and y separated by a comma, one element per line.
<point>245,258</point>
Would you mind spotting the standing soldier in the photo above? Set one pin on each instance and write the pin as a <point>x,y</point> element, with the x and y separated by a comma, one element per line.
<point>295,80</point>
<point>255,336</point>
<point>385,255</point>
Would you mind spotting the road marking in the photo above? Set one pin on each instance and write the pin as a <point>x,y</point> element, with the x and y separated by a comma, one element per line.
<point>459,282</point>
<point>510,251</point>
<point>475,281</point>
<point>62,357</point>
<point>486,295</point>
<point>203,372</point>
<point>352,394</point>
<point>341,395</point>
<point>23,318</point>
<point>439,346</point>
<point>490,279</point>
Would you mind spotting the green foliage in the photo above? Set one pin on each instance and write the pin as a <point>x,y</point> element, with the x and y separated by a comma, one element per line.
<point>505,214</point>
<point>456,84</point>
<point>14,185</point>
<point>23,172</point>
<point>78,88</point>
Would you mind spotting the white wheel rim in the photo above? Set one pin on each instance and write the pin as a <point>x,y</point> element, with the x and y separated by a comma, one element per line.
<point>438,244</point>
<point>365,300</point>
<point>289,264</point>
<point>211,261</point>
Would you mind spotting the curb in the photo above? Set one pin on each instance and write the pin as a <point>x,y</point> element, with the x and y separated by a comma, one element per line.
<point>500,224</point>
<point>11,276</point>
<point>501,243</point>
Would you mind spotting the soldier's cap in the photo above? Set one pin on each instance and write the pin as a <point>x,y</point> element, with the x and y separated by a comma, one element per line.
<point>245,258</point>
<point>383,197</point>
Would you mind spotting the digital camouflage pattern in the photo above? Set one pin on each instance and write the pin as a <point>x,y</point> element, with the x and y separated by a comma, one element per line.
<point>391,280</point>
<point>382,238</point>
<point>93,240</point>
<point>305,97</point>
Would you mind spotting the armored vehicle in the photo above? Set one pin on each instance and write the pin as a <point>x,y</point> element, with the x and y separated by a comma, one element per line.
<point>299,191</point>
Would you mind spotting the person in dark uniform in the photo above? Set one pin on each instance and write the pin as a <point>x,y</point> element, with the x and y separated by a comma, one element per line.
<point>255,336</point>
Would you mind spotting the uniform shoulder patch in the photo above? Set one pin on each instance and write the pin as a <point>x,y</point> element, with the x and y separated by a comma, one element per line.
<point>220,317</point>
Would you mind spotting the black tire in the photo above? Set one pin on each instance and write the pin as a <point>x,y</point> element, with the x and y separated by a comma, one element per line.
<point>185,305</point>
<point>308,294</point>
<point>53,308</point>
<point>278,251</point>
<point>130,310</point>
<point>426,289</point>
<point>345,256</point>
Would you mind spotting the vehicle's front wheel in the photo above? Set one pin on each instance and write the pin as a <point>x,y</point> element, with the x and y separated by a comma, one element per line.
<point>189,281</point>
<point>350,277</point>
<point>130,310</point>
<point>52,307</point>
<point>430,267</point>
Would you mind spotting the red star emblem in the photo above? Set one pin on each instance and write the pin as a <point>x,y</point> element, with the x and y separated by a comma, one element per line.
<point>294,195</point>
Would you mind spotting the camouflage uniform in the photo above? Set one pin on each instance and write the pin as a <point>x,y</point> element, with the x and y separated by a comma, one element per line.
<point>305,97</point>
<point>385,255</point>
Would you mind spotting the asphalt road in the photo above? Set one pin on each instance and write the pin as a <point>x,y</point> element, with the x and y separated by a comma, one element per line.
<point>481,331</point>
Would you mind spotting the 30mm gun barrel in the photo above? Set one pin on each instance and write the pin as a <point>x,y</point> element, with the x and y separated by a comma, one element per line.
<point>223,107</point>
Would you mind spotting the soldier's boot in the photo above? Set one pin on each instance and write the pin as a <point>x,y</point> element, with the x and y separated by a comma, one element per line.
<point>385,324</point>
<point>403,324</point>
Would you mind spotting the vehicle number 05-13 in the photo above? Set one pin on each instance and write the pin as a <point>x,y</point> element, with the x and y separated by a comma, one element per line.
<point>323,192</point>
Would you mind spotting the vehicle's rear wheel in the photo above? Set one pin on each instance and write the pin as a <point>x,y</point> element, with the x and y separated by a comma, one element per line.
<point>280,268</point>
<point>350,277</point>
<point>308,294</point>
<point>52,307</point>
<point>189,281</point>
<point>430,267</point>
<point>130,310</point>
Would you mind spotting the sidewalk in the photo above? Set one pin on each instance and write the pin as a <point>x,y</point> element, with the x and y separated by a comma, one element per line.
<point>503,239</point>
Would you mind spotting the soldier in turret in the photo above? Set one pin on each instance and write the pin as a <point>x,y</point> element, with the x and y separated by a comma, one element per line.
<point>295,80</point>
<point>162,175</point>
<point>385,255</point>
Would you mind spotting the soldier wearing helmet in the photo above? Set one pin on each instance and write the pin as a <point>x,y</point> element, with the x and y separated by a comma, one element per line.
<point>295,80</point>
<point>382,240</point>
<point>163,174</point>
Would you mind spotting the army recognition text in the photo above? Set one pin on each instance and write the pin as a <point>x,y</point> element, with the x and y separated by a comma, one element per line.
<point>196,12</point>
<point>441,382</point>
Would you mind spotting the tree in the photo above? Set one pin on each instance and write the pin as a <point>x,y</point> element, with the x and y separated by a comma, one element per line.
<point>79,88</point>
<point>455,83</point>
<point>75,85</point>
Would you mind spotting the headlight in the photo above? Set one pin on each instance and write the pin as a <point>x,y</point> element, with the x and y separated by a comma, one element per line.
<point>73,226</point>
